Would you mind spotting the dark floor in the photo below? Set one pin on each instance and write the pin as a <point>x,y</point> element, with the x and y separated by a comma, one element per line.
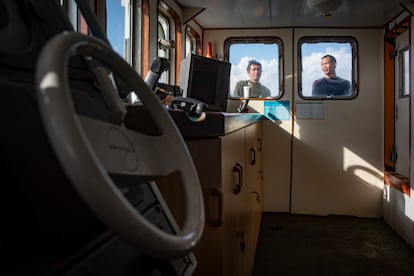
<point>332,245</point>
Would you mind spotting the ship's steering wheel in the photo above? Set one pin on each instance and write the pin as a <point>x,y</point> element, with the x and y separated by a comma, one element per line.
<point>90,150</point>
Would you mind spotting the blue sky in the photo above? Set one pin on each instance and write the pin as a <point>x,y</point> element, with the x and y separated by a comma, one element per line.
<point>115,25</point>
<point>239,50</point>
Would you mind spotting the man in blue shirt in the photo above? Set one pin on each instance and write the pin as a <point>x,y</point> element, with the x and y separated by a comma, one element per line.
<point>330,85</point>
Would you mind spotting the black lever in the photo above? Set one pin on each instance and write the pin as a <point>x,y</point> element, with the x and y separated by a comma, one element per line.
<point>243,108</point>
<point>158,66</point>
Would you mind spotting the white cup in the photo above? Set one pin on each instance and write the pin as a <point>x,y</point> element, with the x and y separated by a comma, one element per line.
<point>246,91</point>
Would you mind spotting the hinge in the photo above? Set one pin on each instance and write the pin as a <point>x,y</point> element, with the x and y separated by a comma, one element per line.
<point>393,155</point>
<point>396,112</point>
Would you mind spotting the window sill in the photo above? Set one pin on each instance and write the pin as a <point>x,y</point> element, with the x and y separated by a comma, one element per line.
<point>397,181</point>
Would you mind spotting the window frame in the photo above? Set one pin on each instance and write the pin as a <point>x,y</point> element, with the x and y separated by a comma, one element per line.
<point>329,39</point>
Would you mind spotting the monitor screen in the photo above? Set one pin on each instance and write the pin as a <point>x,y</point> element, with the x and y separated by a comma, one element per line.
<point>207,80</point>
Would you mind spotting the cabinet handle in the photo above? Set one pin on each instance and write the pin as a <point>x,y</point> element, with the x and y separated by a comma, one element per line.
<point>242,242</point>
<point>237,178</point>
<point>257,197</point>
<point>215,221</point>
<point>252,156</point>
<point>259,144</point>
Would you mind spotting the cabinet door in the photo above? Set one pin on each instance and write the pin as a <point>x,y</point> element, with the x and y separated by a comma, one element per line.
<point>254,190</point>
<point>206,155</point>
<point>234,194</point>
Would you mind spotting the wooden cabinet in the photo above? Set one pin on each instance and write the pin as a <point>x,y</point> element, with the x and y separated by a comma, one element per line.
<point>230,172</point>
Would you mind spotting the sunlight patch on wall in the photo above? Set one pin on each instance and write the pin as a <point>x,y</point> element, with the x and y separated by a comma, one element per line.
<point>362,169</point>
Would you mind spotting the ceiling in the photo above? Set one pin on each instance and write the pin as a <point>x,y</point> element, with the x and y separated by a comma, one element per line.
<point>292,13</point>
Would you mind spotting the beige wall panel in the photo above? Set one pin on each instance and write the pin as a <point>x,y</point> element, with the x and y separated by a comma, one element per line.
<point>338,160</point>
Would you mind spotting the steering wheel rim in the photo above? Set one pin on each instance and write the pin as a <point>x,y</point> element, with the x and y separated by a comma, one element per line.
<point>82,158</point>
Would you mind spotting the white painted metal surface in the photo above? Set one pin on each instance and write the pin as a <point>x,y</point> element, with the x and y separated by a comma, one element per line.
<point>292,13</point>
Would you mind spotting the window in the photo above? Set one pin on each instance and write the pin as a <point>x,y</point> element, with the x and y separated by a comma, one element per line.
<point>263,78</point>
<point>113,15</point>
<point>323,57</point>
<point>192,42</point>
<point>118,27</point>
<point>163,34</point>
<point>169,34</point>
<point>404,58</point>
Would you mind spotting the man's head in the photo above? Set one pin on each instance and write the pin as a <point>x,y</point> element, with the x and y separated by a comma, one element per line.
<point>254,70</point>
<point>328,65</point>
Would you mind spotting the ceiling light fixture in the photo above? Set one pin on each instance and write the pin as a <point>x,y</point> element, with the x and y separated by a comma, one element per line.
<point>324,7</point>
